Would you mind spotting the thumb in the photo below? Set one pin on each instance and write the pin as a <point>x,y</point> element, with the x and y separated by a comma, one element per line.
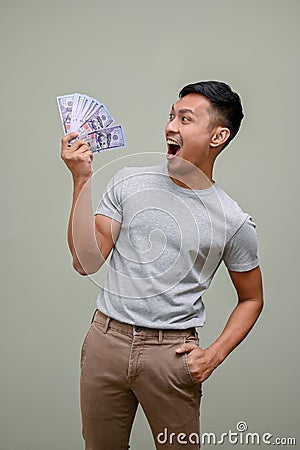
<point>186,348</point>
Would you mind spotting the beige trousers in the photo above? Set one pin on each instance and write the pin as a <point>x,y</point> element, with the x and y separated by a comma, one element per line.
<point>124,365</point>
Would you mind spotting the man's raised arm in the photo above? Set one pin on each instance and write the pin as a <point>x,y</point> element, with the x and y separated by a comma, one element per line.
<point>90,239</point>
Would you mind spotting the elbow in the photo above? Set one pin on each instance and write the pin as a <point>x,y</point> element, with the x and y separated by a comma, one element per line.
<point>84,271</point>
<point>261,304</point>
<point>79,269</point>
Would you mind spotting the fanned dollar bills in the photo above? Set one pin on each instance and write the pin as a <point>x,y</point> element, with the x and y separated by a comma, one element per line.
<point>92,120</point>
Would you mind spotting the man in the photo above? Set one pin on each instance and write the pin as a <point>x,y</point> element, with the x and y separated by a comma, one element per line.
<point>169,227</point>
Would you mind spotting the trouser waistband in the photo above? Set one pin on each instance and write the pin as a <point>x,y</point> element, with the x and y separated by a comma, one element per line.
<point>132,329</point>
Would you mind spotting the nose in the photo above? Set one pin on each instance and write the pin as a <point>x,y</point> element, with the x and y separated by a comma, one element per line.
<point>172,126</point>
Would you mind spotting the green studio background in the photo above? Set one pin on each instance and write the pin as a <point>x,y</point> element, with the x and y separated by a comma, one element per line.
<point>135,56</point>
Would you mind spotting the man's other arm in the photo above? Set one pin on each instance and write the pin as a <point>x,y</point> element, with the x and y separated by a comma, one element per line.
<point>249,290</point>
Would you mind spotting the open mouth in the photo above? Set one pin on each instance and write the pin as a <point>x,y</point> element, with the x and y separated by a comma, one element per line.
<point>173,148</point>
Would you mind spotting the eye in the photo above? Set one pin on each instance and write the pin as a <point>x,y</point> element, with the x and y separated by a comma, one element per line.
<point>171,116</point>
<point>185,119</point>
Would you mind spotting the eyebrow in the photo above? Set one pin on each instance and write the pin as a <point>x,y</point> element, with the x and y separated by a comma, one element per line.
<point>184,111</point>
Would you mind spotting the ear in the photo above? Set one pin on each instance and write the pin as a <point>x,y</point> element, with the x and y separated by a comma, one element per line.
<point>220,136</point>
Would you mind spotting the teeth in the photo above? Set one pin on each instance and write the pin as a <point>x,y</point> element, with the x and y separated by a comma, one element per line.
<point>171,142</point>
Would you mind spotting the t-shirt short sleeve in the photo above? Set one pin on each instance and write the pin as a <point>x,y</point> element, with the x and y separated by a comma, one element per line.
<point>111,202</point>
<point>241,252</point>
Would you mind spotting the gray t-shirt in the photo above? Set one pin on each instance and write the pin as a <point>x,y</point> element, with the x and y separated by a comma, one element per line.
<point>171,242</point>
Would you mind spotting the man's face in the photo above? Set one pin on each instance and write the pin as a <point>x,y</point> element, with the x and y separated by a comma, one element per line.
<point>188,132</point>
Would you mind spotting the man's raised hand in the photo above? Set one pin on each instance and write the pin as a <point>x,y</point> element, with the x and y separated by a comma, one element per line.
<point>77,157</point>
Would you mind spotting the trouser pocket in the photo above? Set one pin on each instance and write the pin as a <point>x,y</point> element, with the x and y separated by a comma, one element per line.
<point>84,347</point>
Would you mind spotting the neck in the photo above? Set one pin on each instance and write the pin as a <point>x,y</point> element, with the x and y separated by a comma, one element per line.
<point>193,178</point>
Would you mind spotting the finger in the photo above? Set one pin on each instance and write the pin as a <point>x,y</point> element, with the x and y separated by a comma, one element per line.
<point>65,144</point>
<point>79,145</point>
<point>68,137</point>
<point>79,148</point>
<point>88,155</point>
<point>185,348</point>
<point>85,152</point>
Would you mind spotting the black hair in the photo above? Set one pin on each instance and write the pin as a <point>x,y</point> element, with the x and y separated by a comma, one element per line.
<point>225,105</point>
